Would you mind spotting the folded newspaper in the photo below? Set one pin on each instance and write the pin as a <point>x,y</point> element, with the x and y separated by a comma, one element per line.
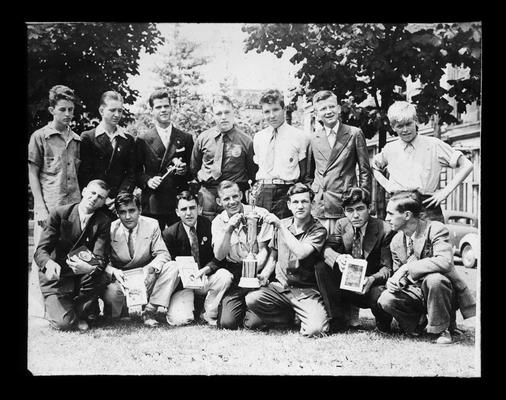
<point>188,268</point>
<point>135,289</point>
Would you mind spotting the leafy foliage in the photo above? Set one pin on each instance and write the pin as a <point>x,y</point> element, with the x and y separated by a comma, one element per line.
<point>88,57</point>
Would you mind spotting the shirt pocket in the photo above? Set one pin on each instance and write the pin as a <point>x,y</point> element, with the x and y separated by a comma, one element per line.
<point>52,165</point>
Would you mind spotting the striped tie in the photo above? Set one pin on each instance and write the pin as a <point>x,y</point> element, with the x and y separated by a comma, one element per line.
<point>356,248</point>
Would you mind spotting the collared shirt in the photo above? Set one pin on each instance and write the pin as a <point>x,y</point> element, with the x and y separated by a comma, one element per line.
<point>290,146</point>
<point>238,238</point>
<point>362,233</point>
<point>187,230</point>
<point>58,159</point>
<point>164,134</point>
<point>125,231</point>
<point>420,166</point>
<point>237,160</point>
<point>328,131</point>
<point>119,131</point>
<point>83,217</point>
<point>289,270</point>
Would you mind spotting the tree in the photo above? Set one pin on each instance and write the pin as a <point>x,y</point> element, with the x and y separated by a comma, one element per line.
<point>88,57</point>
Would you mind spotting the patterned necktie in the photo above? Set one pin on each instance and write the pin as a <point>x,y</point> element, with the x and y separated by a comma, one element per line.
<point>194,242</point>
<point>218,157</point>
<point>332,138</point>
<point>130,243</point>
<point>356,248</point>
<point>410,250</point>
<point>269,160</point>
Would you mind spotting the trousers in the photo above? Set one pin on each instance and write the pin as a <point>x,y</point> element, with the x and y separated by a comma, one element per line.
<point>273,198</point>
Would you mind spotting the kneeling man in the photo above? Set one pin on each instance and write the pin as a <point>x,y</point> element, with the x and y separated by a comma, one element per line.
<point>71,286</point>
<point>361,236</point>
<point>136,241</point>
<point>295,249</point>
<point>425,288</point>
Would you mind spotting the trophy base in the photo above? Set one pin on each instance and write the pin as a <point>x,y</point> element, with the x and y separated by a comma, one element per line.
<point>249,282</point>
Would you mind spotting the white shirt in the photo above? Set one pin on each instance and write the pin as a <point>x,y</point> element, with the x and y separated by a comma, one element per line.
<point>100,130</point>
<point>164,134</point>
<point>290,145</point>
<point>187,229</point>
<point>83,217</point>
<point>134,233</point>
<point>332,138</point>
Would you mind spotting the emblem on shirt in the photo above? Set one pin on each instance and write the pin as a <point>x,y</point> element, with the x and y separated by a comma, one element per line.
<point>204,240</point>
<point>235,151</point>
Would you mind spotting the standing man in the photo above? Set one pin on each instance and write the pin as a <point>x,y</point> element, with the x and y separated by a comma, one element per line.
<point>191,236</point>
<point>230,248</point>
<point>360,236</point>
<point>295,250</point>
<point>425,290</point>
<point>53,163</point>
<point>337,151</point>
<point>222,153</point>
<point>108,152</point>
<point>158,149</point>
<point>71,286</point>
<point>415,162</point>
<point>280,152</point>
<point>136,242</point>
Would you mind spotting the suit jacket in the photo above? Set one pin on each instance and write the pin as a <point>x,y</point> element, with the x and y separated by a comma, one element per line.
<point>375,245</point>
<point>433,249</point>
<point>153,159</point>
<point>149,248</point>
<point>178,243</point>
<point>115,166</point>
<point>334,169</point>
<point>63,233</point>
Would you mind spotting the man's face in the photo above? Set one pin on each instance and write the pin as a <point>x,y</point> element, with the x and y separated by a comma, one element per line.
<point>161,111</point>
<point>223,116</point>
<point>405,129</point>
<point>129,215</point>
<point>62,112</point>
<point>357,213</point>
<point>187,211</point>
<point>93,197</point>
<point>328,111</point>
<point>396,219</point>
<point>230,200</point>
<point>111,111</point>
<point>300,205</point>
<point>274,114</point>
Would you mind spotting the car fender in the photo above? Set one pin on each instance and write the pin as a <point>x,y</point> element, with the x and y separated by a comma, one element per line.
<point>473,239</point>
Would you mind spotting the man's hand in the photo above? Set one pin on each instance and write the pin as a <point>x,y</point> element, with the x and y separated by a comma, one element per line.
<point>234,221</point>
<point>342,261</point>
<point>181,166</point>
<point>149,278</point>
<point>273,220</point>
<point>79,266</point>
<point>201,272</point>
<point>435,199</point>
<point>119,275</point>
<point>367,284</point>
<point>52,270</point>
<point>264,280</point>
<point>109,203</point>
<point>42,214</point>
<point>154,182</point>
<point>393,285</point>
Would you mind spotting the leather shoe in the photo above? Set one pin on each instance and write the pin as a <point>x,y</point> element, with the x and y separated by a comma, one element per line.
<point>82,325</point>
<point>444,337</point>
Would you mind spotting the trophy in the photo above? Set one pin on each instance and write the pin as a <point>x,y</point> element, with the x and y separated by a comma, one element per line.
<point>250,263</point>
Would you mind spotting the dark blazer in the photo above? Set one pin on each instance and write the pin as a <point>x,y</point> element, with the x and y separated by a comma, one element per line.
<point>375,245</point>
<point>153,159</point>
<point>115,166</point>
<point>63,233</point>
<point>334,169</point>
<point>177,242</point>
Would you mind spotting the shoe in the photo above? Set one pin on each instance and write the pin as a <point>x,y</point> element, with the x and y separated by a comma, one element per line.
<point>208,321</point>
<point>149,314</point>
<point>151,322</point>
<point>384,327</point>
<point>82,325</point>
<point>444,337</point>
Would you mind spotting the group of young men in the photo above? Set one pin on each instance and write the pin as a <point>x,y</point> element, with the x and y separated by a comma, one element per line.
<point>312,196</point>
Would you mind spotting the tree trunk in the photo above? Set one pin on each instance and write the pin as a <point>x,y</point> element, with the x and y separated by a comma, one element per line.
<point>380,192</point>
<point>437,131</point>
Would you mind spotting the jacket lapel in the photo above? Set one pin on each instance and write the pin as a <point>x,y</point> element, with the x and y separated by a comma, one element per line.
<point>171,150</point>
<point>73,224</point>
<point>342,138</point>
<point>155,143</point>
<point>323,144</point>
<point>348,237</point>
<point>104,144</point>
<point>370,237</point>
<point>181,233</point>
<point>420,237</point>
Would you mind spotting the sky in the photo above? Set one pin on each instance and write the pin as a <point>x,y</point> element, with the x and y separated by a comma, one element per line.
<point>223,44</point>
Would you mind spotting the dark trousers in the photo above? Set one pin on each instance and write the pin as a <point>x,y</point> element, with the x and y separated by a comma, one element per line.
<point>165,219</point>
<point>337,300</point>
<point>439,304</point>
<point>71,298</point>
<point>273,198</point>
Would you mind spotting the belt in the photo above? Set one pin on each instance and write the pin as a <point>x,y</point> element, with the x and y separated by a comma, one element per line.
<point>276,182</point>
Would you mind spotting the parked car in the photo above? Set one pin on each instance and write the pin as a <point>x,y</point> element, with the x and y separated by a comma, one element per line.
<point>463,227</point>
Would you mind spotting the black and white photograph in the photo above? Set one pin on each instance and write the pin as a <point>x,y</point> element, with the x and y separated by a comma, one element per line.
<point>354,149</point>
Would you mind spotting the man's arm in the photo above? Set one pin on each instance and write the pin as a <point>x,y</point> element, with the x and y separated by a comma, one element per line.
<point>196,157</point>
<point>48,240</point>
<point>86,170</point>
<point>159,251</point>
<point>39,204</point>
<point>269,267</point>
<point>251,166</point>
<point>140,154</point>
<point>379,164</point>
<point>310,166</point>
<point>221,234</point>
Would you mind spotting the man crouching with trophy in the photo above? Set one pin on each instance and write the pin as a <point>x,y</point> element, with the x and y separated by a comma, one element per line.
<point>240,239</point>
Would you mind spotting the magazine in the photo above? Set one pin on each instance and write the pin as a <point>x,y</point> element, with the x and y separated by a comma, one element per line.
<point>354,275</point>
<point>135,288</point>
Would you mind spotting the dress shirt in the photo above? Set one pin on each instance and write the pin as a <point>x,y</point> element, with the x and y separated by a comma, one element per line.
<point>332,134</point>
<point>164,134</point>
<point>100,130</point>
<point>290,146</point>
<point>83,217</point>
<point>187,230</point>
<point>135,231</point>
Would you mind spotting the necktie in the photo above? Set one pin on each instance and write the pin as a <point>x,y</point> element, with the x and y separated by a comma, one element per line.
<point>218,158</point>
<point>130,243</point>
<point>410,251</point>
<point>195,245</point>
<point>356,248</point>
<point>269,160</point>
<point>332,138</point>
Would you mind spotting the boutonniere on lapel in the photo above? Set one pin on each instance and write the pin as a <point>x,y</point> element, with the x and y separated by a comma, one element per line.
<point>204,240</point>
<point>179,149</point>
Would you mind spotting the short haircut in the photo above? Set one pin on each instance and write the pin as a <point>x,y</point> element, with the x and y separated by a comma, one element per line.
<point>225,185</point>
<point>401,111</point>
<point>189,196</point>
<point>99,182</point>
<point>222,99</point>
<point>125,198</point>
<point>323,95</point>
<point>272,96</point>
<point>300,188</point>
<point>61,92</point>
<point>110,95</point>
<point>356,195</point>
<point>158,94</point>
<point>408,200</point>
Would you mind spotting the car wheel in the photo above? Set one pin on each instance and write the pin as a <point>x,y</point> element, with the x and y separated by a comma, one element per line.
<point>468,256</point>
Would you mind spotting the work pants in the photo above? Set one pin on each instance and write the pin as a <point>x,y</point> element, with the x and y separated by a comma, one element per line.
<point>273,198</point>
